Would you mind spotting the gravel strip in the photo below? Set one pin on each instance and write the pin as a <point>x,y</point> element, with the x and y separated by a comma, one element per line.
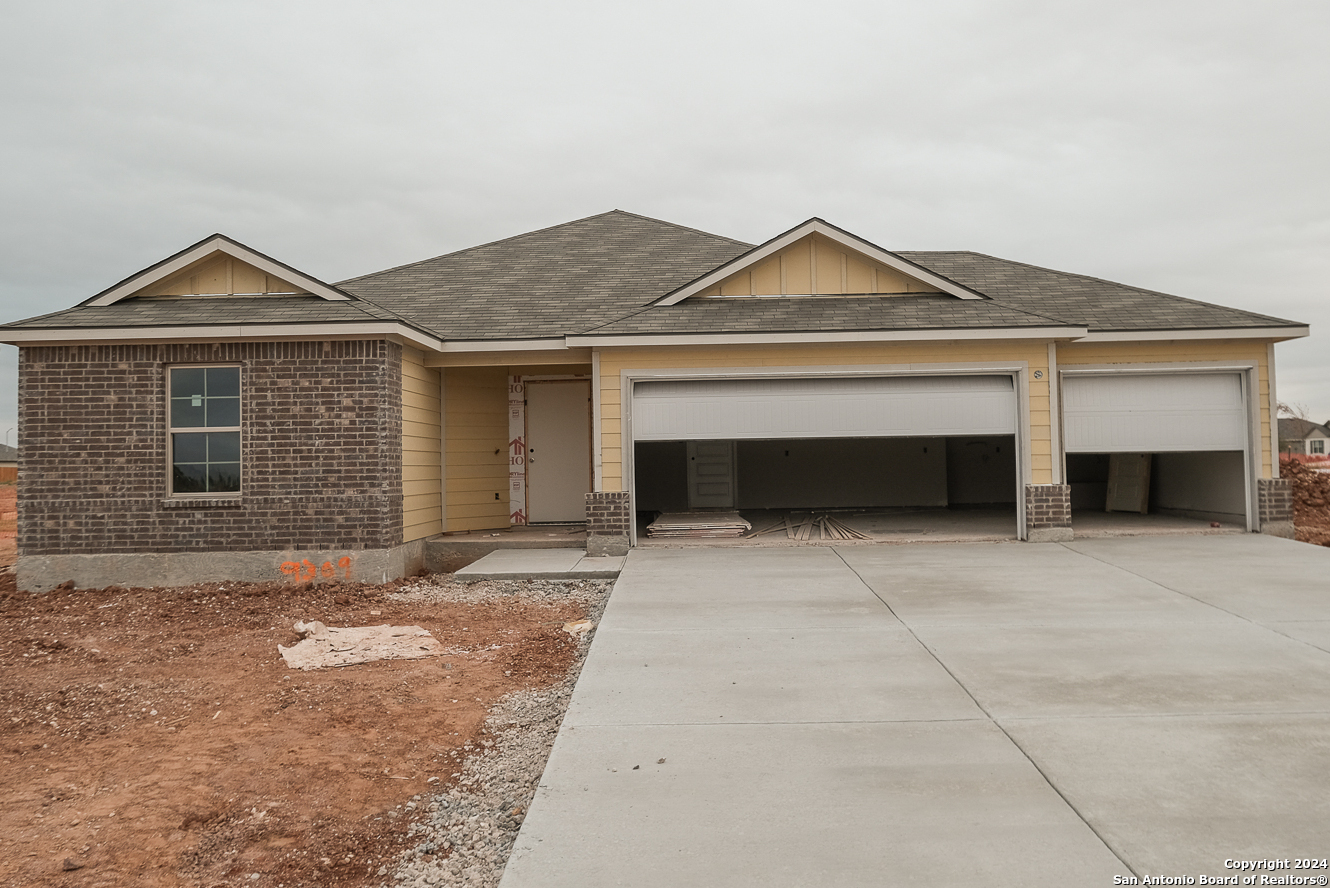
<point>470,828</point>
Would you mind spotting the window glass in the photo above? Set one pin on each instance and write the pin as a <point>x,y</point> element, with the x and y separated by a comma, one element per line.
<point>205,398</point>
<point>1317,446</point>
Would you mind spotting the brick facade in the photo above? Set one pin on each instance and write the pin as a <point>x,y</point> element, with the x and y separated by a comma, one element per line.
<point>1274,504</point>
<point>607,523</point>
<point>321,449</point>
<point>1048,512</point>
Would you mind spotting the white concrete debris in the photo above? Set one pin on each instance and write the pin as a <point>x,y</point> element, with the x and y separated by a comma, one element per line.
<point>324,646</point>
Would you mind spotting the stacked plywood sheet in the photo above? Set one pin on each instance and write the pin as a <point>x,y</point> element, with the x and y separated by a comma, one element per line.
<point>698,525</point>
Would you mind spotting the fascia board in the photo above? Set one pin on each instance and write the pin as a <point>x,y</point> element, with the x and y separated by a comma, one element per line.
<point>1276,333</point>
<point>840,236</point>
<point>942,335</point>
<point>484,345</point>
<point>216,243</point>
<point>22,336</point>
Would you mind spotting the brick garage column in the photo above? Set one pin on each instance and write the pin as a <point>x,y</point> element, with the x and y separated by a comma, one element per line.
<point>1048,513</point>
<point>1274,504</point>
<point>607,518</point>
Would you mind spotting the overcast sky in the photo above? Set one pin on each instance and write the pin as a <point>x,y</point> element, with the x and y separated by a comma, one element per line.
<point>1182,146</point>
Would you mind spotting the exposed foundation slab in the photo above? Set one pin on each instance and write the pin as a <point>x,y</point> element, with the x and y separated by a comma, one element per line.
<point>41,573</point>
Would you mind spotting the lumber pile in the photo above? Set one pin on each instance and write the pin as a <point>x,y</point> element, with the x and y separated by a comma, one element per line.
<point>698,525</point>
<point>801,529</point>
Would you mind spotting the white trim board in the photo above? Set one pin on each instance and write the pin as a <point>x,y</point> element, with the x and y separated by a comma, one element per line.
<point>832,233</point>
<point>936,335</point>
<point>1278,333</point>
<point>251,332</point>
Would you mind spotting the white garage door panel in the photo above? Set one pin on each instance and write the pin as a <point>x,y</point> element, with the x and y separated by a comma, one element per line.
<point>1153,413</point>
<point>824,408</point>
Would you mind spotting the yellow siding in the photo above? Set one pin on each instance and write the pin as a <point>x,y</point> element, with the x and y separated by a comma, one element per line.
<point>612,361</point>
<point>837,270</point>
<point>422,479</point>
<point>1179,351</point>
<point>476,430</point>
<point>219,274</point>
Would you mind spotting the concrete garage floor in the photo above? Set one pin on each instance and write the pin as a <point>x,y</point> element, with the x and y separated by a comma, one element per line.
<point>944,715</point>
<point>941,525</point>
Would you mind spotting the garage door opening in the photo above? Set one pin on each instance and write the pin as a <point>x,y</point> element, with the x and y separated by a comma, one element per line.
<point>1150,452</point>
<point>950,487</point>
<point>1132,493</point>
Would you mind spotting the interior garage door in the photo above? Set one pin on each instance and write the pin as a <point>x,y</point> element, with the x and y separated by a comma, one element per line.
<point>1153,413</point>
<point>898,406</point>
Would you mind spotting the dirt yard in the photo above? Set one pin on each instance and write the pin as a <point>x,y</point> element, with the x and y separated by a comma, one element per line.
<point>1311,501</point>
<point>156,738</point>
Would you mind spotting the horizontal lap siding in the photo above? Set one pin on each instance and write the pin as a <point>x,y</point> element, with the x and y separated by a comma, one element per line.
<point>613,361</point>
<point>476,426</point>
<point>1184,351</point>
<point>422,472</point>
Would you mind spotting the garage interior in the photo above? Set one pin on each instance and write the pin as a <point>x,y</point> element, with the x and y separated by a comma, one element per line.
<point>1181,490</point>
<point>887,488</point>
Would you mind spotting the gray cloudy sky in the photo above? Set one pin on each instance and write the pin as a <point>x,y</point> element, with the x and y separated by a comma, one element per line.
<point>1180,145</point>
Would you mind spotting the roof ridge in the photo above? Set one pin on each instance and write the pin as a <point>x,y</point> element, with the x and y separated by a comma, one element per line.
<point>1132,287</point>
<point>539,231</point>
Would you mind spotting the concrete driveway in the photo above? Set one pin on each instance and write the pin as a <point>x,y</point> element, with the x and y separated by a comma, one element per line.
<point>945,715</point>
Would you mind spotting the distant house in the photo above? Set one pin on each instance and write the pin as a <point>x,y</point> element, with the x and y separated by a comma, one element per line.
<point>8,463</point>
<point>1304,436</point>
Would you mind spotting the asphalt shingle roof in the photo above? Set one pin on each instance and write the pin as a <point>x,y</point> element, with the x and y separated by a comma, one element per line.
<point>600,276</point>
<point>789,314</point>
<point>171,311</point>
<point>551,282</point>
<point>1079,299</point>
<point>1292,427</point>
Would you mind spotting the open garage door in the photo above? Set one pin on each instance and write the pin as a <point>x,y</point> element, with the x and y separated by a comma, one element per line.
<point>856,407</point>
<point>1192,431</point>
<point>861,444</point>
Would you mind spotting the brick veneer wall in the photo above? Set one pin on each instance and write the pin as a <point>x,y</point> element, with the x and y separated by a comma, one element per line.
<point>1048,512</point>
<point>1274,506</point>
<point>607,526</point>
<point>321,459</point>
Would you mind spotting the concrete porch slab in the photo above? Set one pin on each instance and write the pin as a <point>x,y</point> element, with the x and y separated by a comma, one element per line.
<point>540,564</point>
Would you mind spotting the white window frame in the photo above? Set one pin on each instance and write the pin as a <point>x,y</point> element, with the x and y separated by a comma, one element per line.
<point>171,430</point>
<point>1316,446</point>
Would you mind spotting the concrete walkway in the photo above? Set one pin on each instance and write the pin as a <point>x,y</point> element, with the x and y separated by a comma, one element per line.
<point>944,715</point>
<point>541,564</point>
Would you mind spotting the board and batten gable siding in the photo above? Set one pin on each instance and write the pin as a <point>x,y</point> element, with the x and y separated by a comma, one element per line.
<point>816,264</point>
<point>916,355</point>
<point>1242,351</point>
<point>475,423</point>
<point>422,467</point>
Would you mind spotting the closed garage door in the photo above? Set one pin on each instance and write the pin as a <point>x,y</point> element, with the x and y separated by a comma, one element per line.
<point>750,409</point>
<point>1154,413</point>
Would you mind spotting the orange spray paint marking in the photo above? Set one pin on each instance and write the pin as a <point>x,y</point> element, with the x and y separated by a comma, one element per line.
<point>345,564</point>
<point>327,568</point>
<point>310,570</point>
<point>290,568</point>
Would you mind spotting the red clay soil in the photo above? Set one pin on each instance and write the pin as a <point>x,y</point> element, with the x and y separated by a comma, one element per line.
<point>156,738</point>
<point>1311,501</point>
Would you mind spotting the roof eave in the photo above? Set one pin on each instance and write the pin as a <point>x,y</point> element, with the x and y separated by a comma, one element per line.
<point>218,332</point>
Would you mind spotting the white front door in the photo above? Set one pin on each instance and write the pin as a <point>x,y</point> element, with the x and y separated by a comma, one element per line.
<point>558,449</point>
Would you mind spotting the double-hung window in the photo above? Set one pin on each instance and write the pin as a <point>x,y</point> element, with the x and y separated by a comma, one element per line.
<point>1316,445</point>
<point>204,430</point>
